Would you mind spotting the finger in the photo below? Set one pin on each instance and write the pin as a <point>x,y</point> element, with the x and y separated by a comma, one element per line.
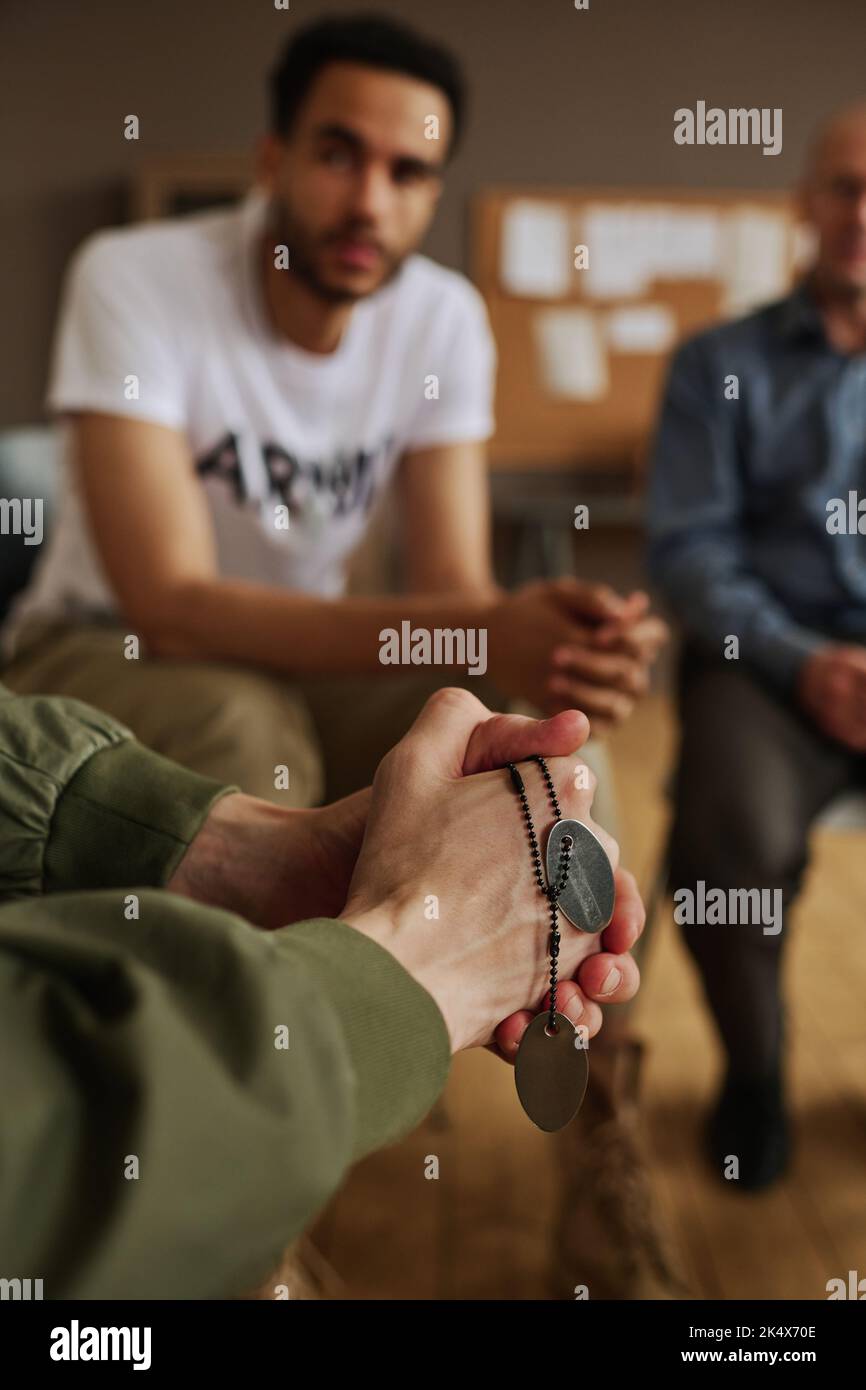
<point>636,605</point>
<point>644,639</point>
<point>596,601</point>
<point>629,915</point>
<point>611,630</point>
<point>510,738</point>
<point>613,705</point>
<point>846,722</point>
<point>572,1001</point>
<point>854,725</point>
<point>656,629</point>
<point>853,736</point>
<point>442,730</point>
<point>618,670</point>
<point>508,1034</point>
<point>854,658</point>
<point>608,978</point>
<point>650,631</point>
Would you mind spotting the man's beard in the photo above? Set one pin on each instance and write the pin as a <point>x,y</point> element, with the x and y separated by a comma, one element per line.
<point>289,231</point>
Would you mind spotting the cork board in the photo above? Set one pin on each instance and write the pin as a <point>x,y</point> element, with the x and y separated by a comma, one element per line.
<point>692,257</point>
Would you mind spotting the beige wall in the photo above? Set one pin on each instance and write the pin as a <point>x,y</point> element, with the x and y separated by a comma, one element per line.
<point>559,96</point>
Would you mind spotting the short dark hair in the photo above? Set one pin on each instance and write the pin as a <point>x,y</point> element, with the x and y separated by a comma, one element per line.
<point>371,39</point>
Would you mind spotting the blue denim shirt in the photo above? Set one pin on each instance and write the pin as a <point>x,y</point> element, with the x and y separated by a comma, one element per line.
<point>738,492</point>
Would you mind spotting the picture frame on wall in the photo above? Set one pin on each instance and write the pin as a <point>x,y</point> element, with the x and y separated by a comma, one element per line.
<point>173,185</point>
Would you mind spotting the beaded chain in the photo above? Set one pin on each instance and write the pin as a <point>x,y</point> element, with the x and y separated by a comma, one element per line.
<point>552,891</point>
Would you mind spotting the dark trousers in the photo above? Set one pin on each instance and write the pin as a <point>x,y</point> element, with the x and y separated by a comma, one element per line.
<point>753,774</point>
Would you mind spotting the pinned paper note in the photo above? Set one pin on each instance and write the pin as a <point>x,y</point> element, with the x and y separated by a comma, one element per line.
<point>690,247</point>
<point>572,354</point>
<point>755,258</point>
<point>641,328</point>
<point>633,244</point>
<point>536,250</point>
<point>617,266</point>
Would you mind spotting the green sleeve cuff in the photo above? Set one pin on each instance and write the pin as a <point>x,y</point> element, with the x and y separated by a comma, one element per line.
<point>395,1035</point>
<point>127,816</point>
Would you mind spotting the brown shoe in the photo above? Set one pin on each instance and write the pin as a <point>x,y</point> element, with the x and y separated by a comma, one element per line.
<point>608,1239</point>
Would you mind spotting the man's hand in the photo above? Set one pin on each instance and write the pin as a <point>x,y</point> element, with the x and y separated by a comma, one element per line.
<point>609,977</point>
<point>832,690</point>
<point>271,866</point>
<point>525,627</point>
<point>643,636</point>
<point>274,867</point>
<point>620,653</point>
<point>434,831</point>
<point>564,644</point>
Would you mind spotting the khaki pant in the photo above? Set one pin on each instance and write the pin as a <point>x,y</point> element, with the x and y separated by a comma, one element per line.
<point>242,725</point>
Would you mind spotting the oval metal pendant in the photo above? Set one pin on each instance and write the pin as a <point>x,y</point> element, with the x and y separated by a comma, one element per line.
<point>551,1072</point>
<point>588,895</point>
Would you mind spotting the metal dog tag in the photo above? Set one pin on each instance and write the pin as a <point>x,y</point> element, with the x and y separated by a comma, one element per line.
<point>551,1071</point>
<point>588,895</point>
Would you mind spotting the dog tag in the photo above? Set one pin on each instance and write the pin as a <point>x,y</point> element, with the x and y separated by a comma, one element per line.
<point>588,894</point>
<point>551,1071</point>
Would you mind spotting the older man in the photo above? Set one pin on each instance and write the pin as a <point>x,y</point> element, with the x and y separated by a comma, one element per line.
<point>746,543</point>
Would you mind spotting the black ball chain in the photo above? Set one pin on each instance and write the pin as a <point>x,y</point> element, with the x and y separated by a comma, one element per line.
<point>553,890</point>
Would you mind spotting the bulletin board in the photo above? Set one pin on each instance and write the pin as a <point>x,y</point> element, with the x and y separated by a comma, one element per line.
<point>583,348</point>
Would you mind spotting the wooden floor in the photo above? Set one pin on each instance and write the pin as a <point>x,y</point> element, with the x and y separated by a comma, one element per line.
<point>483,1228</point>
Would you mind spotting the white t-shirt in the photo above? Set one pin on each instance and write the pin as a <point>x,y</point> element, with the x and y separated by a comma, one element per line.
<point>167,322</point>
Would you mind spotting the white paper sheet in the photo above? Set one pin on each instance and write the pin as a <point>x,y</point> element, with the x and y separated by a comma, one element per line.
<point>755,244</point>
<point>572,356</point>
<point>631,245</point>
<point>537,255</point>
<point>617,253</point>
<point>690,245</point>
<point>641,328</point>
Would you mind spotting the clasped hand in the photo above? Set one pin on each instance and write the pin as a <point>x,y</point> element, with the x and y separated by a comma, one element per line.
<point>441,819</point>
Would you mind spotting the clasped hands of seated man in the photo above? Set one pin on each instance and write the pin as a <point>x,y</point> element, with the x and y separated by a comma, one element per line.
<point>563,643</point>
<point>441,818</point>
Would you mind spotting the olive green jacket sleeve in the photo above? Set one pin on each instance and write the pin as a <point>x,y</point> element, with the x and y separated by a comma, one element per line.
<point>83,805</point>
<point>180,1092</point>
